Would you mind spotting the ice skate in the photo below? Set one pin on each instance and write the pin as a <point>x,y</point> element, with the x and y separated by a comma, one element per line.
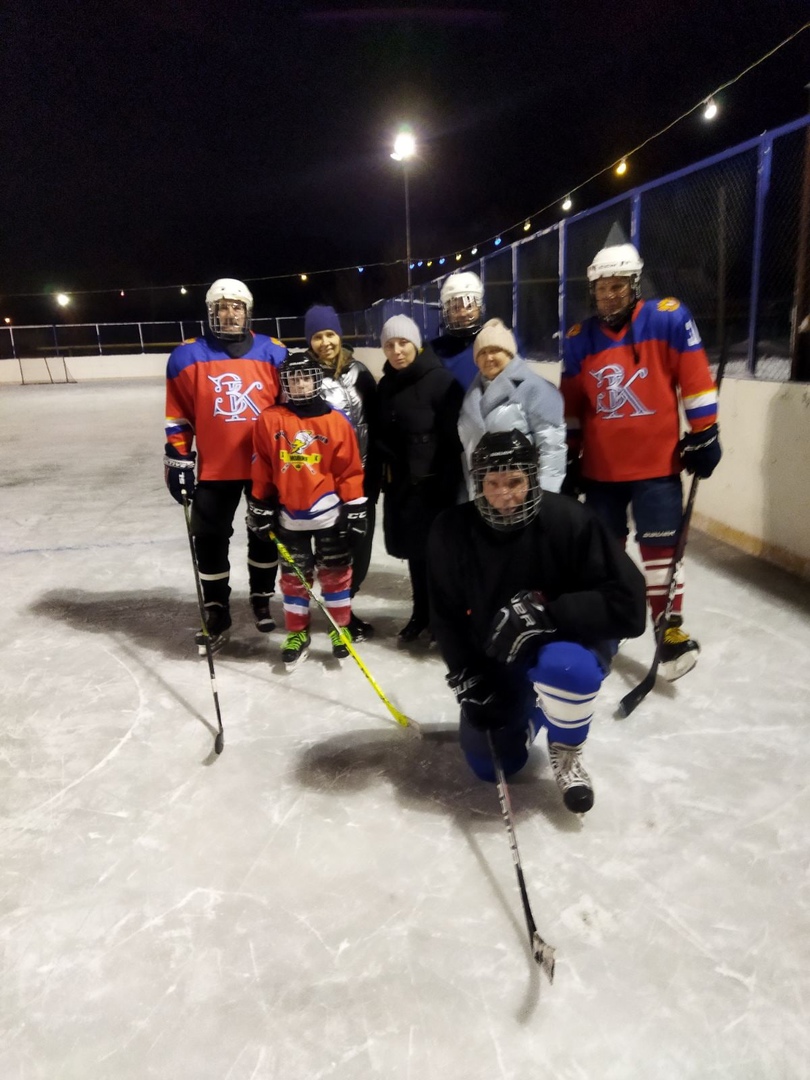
<point>572,779</point>
<point>360,631</point>
<point>218,623</point>
<point>260,602</point>
<point>679,652</point>
<point>339,649</point>
<point>295,648</point>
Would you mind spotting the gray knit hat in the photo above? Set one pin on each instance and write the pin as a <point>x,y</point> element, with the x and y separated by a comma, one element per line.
<point>495,333</point>
<point>400,326</point>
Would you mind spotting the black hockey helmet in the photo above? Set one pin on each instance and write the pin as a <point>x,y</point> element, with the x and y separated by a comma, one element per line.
<point>506,480</point>
<point>301,377</point>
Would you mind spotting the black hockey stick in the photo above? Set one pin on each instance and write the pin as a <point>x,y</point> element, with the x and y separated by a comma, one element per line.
<point>219,741</point>
<point>634,697</point>
<point>541,951</point>
<point>345,637</point>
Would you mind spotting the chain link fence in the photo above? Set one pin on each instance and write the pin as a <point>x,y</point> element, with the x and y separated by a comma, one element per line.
<point>727,236</point>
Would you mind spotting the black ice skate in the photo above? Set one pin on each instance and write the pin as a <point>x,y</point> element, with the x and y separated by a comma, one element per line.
<point>295,648</point>
<point>260,602</point>
<point>572,779</point>
<point>679,652</point>
<point>360,631</point>
<point>339,648</point>
<point>218,623</point>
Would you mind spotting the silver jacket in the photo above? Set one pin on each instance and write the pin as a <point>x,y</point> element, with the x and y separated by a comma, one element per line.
<point>517,398</point>
<point>341,392</point>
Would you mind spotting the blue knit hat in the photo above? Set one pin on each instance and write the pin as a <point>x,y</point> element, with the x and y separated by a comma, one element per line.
<point>321,318</point>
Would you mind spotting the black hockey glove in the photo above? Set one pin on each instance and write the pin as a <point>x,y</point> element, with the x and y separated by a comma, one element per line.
<point>701,451</point>
<point>477,699</point>
<point>178,470</point>
<point>572,482</point>
<point>518,628</point>
<point>353,520</point>
<point>262,517</point>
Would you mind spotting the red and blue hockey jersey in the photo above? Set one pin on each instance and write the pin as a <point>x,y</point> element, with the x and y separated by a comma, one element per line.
<point>215,400</point>
<point>622,391</point>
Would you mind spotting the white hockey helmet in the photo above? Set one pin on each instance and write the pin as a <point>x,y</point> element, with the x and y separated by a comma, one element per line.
<point>618,261</point>
<point>621,260</point>
<point>462,300</point>
<point>228,289</point>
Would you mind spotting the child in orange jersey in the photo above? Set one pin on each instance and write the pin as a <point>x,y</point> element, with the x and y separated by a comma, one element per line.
<point>307,488</point>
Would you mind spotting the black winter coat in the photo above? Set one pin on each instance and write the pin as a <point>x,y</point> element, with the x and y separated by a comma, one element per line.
<point>420,450</point>
<point>593,590</point>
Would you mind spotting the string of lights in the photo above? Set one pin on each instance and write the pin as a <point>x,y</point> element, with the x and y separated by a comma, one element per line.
<point>708,103</point>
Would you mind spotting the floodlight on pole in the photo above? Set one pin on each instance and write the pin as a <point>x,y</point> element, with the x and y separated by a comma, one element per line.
<point>404,150</point>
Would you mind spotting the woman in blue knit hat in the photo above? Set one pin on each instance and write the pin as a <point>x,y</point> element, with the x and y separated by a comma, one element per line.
<point>348,385</point>
<point>421,453</point>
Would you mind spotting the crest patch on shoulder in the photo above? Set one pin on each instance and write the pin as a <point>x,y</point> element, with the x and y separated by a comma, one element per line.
<point>574,330</point>
<point>669,304</point>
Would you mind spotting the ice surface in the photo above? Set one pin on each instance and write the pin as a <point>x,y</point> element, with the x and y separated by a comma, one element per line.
<point>332,898</point>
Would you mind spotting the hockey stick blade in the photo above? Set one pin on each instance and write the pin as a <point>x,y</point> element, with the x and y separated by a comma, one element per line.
<point>543,953</point>
<point>634,697</point>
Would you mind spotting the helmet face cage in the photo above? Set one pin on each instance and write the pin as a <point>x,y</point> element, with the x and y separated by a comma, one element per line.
<point>301,378</point>
<point>506,481</point>
<point>620,261</point>
<point>462,300</point>
<point>234,292</point>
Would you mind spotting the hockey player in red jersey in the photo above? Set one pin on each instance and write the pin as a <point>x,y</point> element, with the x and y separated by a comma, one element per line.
<point>627,371</point>
<point>216,389</point>
<point>307,488</point>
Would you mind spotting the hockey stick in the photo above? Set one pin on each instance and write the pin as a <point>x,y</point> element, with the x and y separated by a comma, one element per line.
<point>219,741</point>
<point>634,697</point>
<point>542,952</point>
<point>345,637</point>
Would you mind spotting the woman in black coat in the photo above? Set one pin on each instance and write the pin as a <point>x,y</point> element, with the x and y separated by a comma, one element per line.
<point>419,404</point>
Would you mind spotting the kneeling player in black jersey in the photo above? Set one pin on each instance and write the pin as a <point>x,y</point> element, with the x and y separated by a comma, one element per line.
<point>528,596</point>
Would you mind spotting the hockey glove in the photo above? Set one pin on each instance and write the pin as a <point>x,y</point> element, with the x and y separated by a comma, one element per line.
<point>519,628</point>
<point>353,520</point>
<point>477,700</point>
<point>701,451</point>
<point>572,482</point>
<point>178,470</point>
<point>262,518</point>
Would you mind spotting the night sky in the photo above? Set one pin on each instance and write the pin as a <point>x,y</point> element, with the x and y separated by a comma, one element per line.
<point>160,142</point>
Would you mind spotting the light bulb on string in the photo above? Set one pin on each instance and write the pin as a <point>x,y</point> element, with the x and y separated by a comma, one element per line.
<point>709,109</point>
<point>526,226</point>
<point>303,277</point>
<point>458,257</point>
<point>474,251</point>
<point>567,204</point>
<point>498,241</point>
<point>183,290</point>
<point>621,168</point>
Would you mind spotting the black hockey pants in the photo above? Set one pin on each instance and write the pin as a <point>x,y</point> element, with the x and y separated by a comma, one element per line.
<point>212,513</point>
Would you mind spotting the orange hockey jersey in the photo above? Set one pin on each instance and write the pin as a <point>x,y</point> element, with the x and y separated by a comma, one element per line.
<point>622,391</point>
<point>310,464</point>
<point>215,400</point>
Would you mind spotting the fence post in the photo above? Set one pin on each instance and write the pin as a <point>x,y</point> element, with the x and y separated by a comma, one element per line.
<point>562,304</point>
<point>764,158</point>
<point>721,270</point>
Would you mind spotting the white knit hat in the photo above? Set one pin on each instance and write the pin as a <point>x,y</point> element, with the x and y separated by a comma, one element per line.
<point>495,333</point>
<point>400,326</point>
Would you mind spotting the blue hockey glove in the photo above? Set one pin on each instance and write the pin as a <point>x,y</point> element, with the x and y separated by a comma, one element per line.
<point>178,470</point>
<point>519,628</point>
<point>262,517</point>
<point>701,451</point>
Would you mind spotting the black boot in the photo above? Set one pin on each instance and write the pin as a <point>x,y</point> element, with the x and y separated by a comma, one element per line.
<point>412,630</point>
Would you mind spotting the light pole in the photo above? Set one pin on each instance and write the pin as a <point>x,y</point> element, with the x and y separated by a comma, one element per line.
<point>404,150</point>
